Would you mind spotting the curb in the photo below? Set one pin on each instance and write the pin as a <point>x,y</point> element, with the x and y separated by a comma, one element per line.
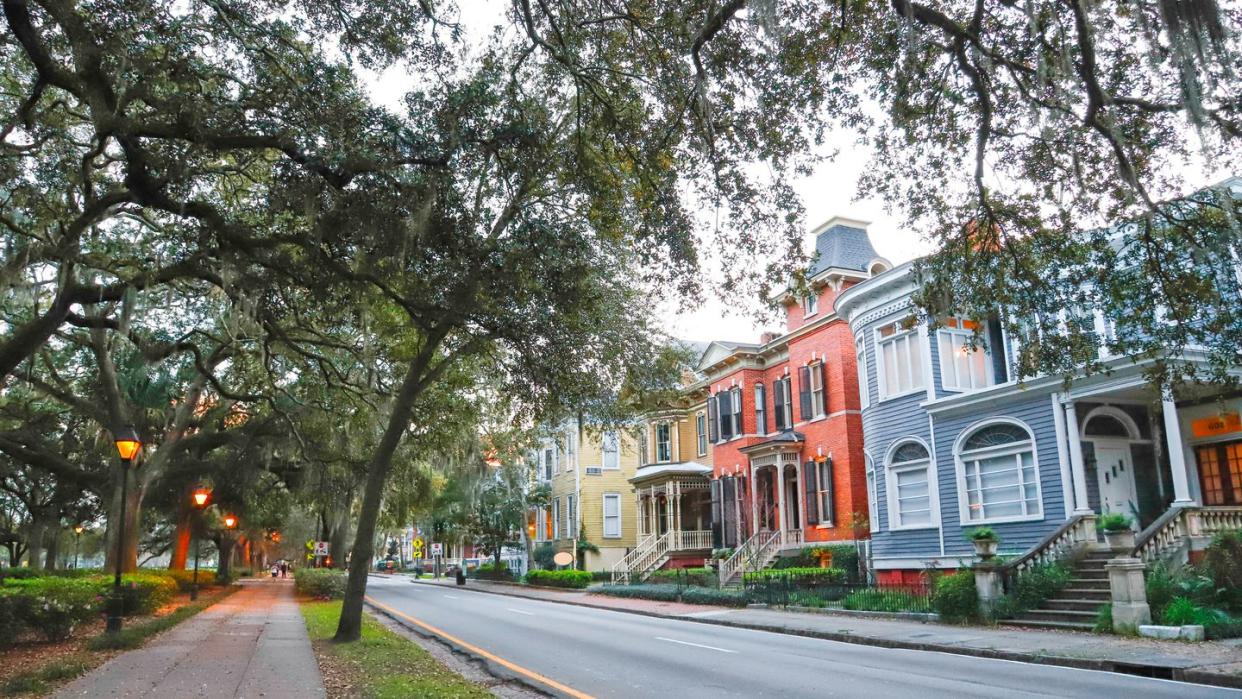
<point>1191,675</point>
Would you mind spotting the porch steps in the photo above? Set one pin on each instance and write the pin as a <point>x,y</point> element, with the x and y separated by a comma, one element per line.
<point>1075,607</point>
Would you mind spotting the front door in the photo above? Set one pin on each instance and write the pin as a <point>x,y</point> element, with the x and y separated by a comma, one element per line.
<point>1220,473</point>
<point>1115,471</point>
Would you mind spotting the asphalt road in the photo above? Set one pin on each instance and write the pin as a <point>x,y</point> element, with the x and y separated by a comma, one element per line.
<point>600,653</point>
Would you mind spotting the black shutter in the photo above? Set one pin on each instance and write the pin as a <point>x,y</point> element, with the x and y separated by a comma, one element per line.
<point>804,391</point>
<point>711,419</point>
<point>717,515</point>
<point>729,523</point>
<point>812,493</point>
<point>778,404</point>
<point>828,516</point>
<point>725,409</point>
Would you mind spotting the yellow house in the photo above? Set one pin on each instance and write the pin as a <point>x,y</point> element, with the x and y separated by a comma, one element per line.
<point>588,469</point>
<point>672,489</point>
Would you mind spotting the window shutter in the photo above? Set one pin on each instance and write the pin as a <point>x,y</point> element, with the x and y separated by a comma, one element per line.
<point>712,435</point>
<point>812,492</point>
<point>778,403</point>
<point>804,391</point>
<point>717,516</point>
<point>724,408</point>
<point>737,412</point>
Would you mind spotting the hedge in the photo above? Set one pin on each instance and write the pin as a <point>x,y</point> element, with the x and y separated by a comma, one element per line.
<point>674,593</point>
<point>489,571</point>
<point>704,577</point>
<point>52,606</point>
<point>320,583</point>
<point>560,578</point>
<point>797,576</point>
<point>711,595</point>
<point>955,597</point>
<point>660,593</point>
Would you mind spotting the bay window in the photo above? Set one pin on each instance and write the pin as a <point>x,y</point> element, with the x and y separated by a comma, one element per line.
<point>899,358</point>
<point>963,367</point>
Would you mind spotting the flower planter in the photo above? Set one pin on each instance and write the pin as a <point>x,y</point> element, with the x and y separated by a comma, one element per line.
<point>1120,539</point>
<point>985,548</point>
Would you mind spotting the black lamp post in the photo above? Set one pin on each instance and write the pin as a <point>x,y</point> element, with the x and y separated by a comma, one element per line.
<point>77,538</point>
<point>127,446</point>
<point>201,497</point>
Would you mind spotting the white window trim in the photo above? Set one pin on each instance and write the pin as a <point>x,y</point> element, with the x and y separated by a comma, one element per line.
<point>948,333</point>
<point>604,516</point>
<point>669,458</point>
<point>963,501</point>
<point>603,451</point>
<point>700,436</point>
<point>821,493</point>
<point>864,376</point>
<point>810,304</point>
<point>541,524</point>
<point>873,499</point>
<point>556,518</point>
<point>817,374</point>
<point>916,332</point>
<point>890,486</point>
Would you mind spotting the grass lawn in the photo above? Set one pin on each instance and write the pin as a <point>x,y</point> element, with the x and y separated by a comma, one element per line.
<point>381,665</point>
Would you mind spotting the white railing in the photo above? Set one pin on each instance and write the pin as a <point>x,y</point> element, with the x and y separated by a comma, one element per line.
<point>1172,531</point>
<point>1076,533</point>
<point>642,560</point>
<point>753,554</point>
<point>692,540</point>
<point>791,537</point>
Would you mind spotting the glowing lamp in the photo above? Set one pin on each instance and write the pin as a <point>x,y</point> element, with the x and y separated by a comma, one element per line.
<point>201,496</point>
<point>79,529</point>
<point>127,443</point>
<point>230,521</point>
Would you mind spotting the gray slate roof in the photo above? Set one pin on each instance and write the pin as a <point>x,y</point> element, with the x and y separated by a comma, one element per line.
<point>843,247</point>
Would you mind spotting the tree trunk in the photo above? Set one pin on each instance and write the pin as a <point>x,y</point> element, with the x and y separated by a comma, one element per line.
<point>224,545</point>
<point>349,628</point>
<point>53,549</point>
<point>133,504</point>
<point>181,537</point>
<point>339,540</point>
<point>34,540</point>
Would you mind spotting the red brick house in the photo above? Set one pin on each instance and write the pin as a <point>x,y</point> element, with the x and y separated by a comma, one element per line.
<point>783,417</point>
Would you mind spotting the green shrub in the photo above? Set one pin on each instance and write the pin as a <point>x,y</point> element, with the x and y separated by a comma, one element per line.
<point>955,598</point>
<point>559,578</point>
<point>1182,611</point>
<point>13,615</point>
<point>320,583</point>
<point>1223,563</point>
<point>1104,619</point>
<point>982,534</point>
<point>145,592</point>
<point>185,578</point>
<point>53,606</point>
<point>711,595</point>
<point>806,599</point>
<point>797,576</point>
<point>703,577</point>
<point>490,571</point>
<point>1033,586</point>
<point>659,593</point>
<point>1115,521</point>
<point>882,600</point>
<point>544,555</point>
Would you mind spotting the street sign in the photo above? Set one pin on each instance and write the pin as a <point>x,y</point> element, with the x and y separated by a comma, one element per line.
<point>563,558</point>
<point>321,548</point>
<point>416,553</point>
<point>418,542</point>
<point>437,549</point>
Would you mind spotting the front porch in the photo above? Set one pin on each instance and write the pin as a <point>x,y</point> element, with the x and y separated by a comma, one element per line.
<point>674,519</point>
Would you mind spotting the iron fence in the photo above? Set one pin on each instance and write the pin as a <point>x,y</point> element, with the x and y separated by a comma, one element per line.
<point>787,591</point>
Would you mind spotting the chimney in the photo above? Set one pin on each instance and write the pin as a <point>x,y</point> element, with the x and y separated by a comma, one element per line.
<point>768,336</point>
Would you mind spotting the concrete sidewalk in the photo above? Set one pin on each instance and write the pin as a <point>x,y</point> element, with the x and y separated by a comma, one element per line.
<point>1217,662</point>
<point>251,644</point>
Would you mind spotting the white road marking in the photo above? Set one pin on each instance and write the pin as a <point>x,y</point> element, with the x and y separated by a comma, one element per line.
<point>519,611</point>
<point>452,596</point>
<point>696,645</point>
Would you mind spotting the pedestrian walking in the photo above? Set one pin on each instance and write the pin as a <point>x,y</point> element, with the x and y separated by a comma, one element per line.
<point>275,569</point>
<point>284,569</point>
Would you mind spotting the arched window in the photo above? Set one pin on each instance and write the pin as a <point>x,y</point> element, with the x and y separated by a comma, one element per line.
<point>997,474</point>
<point>909,487</point>
<point>1106,426</point>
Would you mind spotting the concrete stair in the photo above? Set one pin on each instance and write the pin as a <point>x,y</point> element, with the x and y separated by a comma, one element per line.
<point>1075,607</point>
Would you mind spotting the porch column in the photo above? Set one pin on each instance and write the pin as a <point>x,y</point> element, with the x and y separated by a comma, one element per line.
<point>1078,469</point>
<point>800,492</point>
<point>780,500</point>
<point>1177,451</point>
<point>754,503</point>
<point>652,511</point>
<point>642,514</point>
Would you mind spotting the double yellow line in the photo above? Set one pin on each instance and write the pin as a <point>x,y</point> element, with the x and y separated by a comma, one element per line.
<point>570,691</point>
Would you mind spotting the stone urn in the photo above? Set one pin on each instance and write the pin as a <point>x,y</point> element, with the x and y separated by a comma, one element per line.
<point>1120,539</point>
<point>985,548</point>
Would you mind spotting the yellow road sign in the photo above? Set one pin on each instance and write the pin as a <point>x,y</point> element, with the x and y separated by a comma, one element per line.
<point>418,542</point>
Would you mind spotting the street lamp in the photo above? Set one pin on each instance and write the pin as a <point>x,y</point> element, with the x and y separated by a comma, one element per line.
<point>77,537</point>
<point>127,446</point>
<point>200,498</point>
<point>230,523</point>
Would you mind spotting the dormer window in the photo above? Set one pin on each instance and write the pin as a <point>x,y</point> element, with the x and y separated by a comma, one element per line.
<point>810,305</point>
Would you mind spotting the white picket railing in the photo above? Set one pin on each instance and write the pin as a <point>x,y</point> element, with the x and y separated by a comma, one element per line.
<point>692,540</point>
<point>1173,529</point>
<point>642,560</point>
<point>753,554</point>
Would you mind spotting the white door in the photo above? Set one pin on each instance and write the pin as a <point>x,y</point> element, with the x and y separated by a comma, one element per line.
<point>1115,471</point>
